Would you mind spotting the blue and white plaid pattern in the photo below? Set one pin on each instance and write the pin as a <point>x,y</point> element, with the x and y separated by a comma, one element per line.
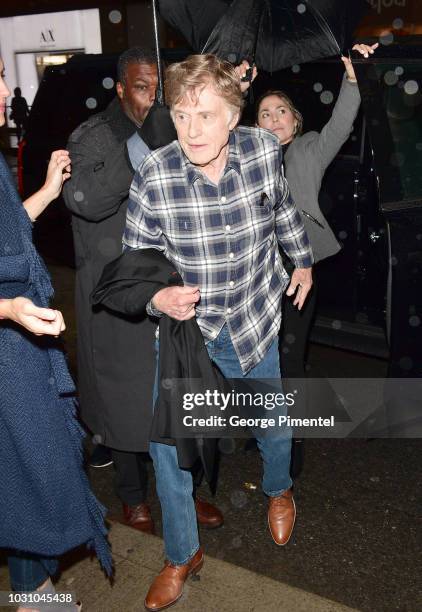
<point>223,237</point>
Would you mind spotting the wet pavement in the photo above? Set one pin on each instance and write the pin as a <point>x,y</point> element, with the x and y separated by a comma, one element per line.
<point>222,586</point>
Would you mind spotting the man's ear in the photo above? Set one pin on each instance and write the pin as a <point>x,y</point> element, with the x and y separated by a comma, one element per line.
<point>120,89</point>
<point>234,121</point>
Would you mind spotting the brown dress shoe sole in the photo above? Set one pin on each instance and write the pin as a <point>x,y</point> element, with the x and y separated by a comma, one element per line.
<point>294,521</point>
<point>192,574</point>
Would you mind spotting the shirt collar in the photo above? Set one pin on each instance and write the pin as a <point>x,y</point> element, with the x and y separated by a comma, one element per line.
<point>233,161</point>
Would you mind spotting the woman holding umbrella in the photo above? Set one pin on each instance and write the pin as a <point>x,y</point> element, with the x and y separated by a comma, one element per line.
<point>306,158</point>
<point>46,505</point>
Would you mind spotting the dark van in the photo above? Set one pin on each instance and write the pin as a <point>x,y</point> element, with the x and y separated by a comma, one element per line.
<point>370,296</point>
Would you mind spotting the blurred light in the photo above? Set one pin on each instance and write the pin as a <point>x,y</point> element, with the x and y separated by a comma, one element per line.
<point>326,97</point>
<point>108,83</point>
<point>398,23</point>
<point>51,60</point>
<point>386,38</point>
<point>390,77</point>
<point>411,87</point>
<point>115,16</point>
<point>91,103</point>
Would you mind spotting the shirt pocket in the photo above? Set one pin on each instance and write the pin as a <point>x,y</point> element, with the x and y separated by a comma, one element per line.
<point>261,204</point>
<point>184,236</point>
<point>262,215</point>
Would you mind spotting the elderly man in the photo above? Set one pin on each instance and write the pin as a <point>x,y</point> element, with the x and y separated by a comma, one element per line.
<point>217,204</point>
<point>115,354</point>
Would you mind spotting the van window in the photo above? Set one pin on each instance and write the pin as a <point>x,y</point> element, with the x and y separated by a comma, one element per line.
<point>394,105</point>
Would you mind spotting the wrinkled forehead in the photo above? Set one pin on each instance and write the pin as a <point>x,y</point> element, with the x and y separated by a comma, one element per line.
<point>193,95</point>
<point>200,96</point>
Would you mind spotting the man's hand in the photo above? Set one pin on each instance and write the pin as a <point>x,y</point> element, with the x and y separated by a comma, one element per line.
<point>365,50</point>
<point>177,302</point>
<point>302,281</point>
<point>37,320</point>
<point>241,70</point>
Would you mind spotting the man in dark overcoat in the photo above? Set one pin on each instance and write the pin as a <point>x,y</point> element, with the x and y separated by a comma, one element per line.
<point>116,364</point>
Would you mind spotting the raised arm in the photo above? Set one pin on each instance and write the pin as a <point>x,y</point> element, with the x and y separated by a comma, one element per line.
<point>337,130</point>
<point>58,172</point>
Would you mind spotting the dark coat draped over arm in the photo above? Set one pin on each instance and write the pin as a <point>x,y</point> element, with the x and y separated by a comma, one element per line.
<point>127,285</point>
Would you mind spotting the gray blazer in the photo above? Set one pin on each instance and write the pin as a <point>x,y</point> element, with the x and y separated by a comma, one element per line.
<point>306,160</point>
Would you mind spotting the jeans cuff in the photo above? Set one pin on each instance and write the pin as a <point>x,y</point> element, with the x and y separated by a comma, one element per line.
<point>277,493</point>
<point>29,587</point>
<point>186,561</point>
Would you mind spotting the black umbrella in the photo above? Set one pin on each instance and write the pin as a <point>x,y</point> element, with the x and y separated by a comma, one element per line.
<point>273,33</point>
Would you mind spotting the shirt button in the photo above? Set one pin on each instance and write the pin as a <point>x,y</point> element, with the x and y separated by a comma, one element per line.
<point>229,310</point>
<point>223,199</point>
<point>231,283</point>
<point>228,228</point>
<point>231,255</point>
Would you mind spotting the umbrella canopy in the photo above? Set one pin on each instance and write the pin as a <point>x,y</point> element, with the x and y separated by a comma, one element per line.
<point>194,19</point>
<point>273,33</point>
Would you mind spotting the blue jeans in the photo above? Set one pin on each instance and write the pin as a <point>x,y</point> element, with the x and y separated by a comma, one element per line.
<point>174,485</point>
<point>28,572</point>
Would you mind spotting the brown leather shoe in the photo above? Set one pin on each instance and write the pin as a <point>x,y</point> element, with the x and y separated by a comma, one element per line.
<point>167,587</point>
<point>139,517</point>
<point>281,517</point>
<point>209,516</point>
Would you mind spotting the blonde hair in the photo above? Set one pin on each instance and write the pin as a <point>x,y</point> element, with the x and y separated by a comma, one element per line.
<point>197,71</point>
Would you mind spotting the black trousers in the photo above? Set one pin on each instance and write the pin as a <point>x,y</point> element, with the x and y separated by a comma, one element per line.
<point>294,335</point>
<point>131,477</point>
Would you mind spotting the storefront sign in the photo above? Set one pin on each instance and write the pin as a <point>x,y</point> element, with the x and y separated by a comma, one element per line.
<point>379,5</point>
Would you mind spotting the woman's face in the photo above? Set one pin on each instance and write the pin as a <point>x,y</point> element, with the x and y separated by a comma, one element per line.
<point>275,115</point>
<point>4,93</point>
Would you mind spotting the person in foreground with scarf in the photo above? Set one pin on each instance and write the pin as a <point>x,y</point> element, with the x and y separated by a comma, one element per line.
<point>217,205</point>
<point>46,505</point>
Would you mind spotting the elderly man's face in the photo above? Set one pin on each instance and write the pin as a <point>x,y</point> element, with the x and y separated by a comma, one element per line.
<point>137,93</point>
<point>203,122</point>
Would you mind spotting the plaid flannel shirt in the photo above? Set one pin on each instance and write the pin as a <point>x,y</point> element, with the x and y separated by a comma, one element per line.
<point>223,238</point>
